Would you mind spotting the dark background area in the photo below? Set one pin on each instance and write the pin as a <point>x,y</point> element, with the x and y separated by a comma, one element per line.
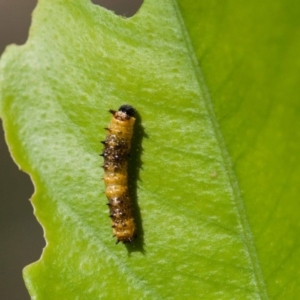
<point>21,237</point>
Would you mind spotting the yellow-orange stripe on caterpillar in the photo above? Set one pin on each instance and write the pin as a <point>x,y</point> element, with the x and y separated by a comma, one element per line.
<point>116,151</point>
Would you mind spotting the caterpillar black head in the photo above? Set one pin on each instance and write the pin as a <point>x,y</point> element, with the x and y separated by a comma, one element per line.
<point>127,109</point>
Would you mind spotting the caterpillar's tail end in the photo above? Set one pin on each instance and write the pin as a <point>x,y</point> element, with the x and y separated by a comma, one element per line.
<point>126,241</point>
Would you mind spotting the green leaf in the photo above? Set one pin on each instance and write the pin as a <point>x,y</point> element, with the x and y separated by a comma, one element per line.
<point>249,56</point>
<point>214,166</point>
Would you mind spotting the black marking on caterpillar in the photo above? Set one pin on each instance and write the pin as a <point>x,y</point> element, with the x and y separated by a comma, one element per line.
<point>116,151</point>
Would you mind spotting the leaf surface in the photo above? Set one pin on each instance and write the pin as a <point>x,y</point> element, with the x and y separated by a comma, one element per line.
<point>215,161</point>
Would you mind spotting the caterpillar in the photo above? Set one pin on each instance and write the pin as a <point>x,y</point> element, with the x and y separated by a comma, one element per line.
<point>116,151</point>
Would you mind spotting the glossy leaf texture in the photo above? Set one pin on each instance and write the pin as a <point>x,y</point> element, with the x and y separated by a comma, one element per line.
<point>214,166</point>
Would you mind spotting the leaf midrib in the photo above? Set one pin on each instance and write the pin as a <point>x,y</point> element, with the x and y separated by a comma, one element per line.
<point>233,181</point>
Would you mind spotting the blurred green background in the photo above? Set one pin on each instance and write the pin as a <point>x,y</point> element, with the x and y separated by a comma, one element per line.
<point>21,237</point>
